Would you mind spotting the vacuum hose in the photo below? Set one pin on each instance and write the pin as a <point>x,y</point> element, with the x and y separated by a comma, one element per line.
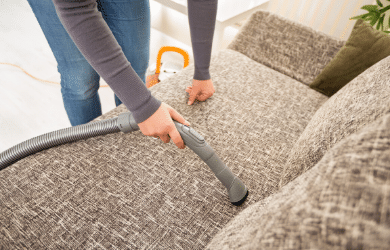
<point>125,123</point>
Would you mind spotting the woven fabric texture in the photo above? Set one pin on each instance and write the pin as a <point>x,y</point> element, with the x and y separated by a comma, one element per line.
<point>286,46</point>
<point>130,191</point>
<point>360,102</point>
<point>365,47</point>
<point>341,203</point>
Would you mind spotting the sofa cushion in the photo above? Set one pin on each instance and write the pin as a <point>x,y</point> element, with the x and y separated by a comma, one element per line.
<point>288,47</point>
<point>130,190</point>
<point>341,203</point>
<point>365,47</point>
<point>360,102</point>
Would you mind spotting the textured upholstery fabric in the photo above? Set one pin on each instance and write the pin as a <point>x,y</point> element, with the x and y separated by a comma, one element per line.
<point>365,47</point>
<point>341,203</point>
<point>360,102</point>
<point>286,46</point>
<point>129,191</point>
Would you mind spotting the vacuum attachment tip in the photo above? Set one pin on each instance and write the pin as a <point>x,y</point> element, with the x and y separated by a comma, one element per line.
<point>238,203</point>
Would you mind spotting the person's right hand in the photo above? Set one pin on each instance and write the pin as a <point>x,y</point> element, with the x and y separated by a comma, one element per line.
<point>160,124</point>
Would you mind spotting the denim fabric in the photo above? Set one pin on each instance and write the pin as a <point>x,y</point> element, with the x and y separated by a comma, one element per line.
<point>129,21</point>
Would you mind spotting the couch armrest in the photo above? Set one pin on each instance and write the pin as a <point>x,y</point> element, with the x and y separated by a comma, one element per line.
<point>286,46</point>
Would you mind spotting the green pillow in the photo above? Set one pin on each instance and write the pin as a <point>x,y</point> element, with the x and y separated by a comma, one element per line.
<point>365,47</point>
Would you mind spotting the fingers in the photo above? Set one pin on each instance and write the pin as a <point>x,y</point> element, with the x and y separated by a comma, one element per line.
<point>165,138</point>
<point>177,117</point>
<point>200,90</point>
<point>173,133</point>
<point>160,125</point>
<point>193,93</point>
<point>176,138</point>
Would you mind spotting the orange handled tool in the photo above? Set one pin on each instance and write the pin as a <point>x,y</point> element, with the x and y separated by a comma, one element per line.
<point>153,79</point>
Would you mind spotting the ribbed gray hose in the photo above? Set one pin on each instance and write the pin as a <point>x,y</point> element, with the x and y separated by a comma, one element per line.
<point>56,138</point>
<point>125,122</point>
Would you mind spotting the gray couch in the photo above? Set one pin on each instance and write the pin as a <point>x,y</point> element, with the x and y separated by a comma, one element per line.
<point>317,168</point>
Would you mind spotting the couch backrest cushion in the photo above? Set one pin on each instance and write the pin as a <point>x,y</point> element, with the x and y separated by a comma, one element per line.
<point>365,47</point>
<point>360,102</point>
<point>341,203</point>
<point>291,48</point>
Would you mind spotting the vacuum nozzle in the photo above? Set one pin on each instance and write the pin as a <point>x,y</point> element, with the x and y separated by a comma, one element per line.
<point>237,191</point>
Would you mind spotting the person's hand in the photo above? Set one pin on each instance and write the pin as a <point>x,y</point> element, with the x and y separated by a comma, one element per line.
<point>200,90</point>
<point>160,124</point>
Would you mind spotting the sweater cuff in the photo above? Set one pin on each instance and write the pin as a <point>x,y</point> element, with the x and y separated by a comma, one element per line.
<point>147,110</point>
<point>201,74</point>
<point>133,93</point>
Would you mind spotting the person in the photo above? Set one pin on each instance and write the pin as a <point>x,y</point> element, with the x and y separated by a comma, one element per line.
<point>110,39</point>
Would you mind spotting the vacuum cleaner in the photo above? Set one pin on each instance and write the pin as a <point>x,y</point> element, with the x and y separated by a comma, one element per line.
<point>125,123</point>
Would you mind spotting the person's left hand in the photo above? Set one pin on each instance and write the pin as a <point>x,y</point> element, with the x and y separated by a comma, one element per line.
<point>200,90</point>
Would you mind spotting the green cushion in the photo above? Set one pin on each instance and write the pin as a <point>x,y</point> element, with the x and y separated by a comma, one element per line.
<point>365,47</point>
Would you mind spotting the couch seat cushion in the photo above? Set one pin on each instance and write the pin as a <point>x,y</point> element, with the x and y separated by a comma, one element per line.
<point>132,191</point>
<point>360,102</point>
<point>341,203</point>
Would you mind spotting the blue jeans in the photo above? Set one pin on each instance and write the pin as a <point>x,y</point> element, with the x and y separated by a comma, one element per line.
<point>129,21</point>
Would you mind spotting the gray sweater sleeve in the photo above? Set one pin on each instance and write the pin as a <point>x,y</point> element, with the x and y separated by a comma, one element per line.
<point>202,16</point>
<point>96,42</point>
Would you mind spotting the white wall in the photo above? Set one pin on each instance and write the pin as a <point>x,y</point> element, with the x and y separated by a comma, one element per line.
<point>328,16</point>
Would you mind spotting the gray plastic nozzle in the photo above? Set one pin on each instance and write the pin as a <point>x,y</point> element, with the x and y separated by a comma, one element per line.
<point>236,189</point>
